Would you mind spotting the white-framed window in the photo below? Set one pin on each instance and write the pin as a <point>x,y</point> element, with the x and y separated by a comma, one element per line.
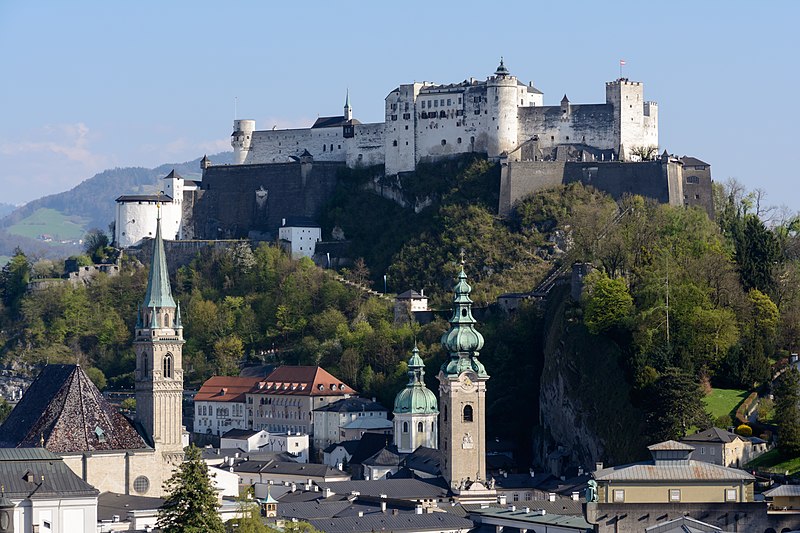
<point>711,451</point>
<point>674,495</point>
<point>730,495</point>
<point>619,495</point>
<point>702,450</point>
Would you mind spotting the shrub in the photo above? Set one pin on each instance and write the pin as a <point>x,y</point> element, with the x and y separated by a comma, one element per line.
<point>744,430</point>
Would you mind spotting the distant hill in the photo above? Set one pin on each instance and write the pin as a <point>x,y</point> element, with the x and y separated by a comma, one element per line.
<point>90,204</point>
<point>6,209</point>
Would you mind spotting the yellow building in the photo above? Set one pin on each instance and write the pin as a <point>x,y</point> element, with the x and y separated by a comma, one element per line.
<point>715,445</point>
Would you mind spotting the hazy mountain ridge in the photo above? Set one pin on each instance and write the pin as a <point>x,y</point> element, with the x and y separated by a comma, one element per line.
<point>94,198</point>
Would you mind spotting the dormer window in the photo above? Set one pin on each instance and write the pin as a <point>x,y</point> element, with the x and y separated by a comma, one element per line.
<point>100,434</point>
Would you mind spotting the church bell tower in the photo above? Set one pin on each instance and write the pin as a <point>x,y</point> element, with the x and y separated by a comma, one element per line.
<point>462,400</point>
<point>159,367</point>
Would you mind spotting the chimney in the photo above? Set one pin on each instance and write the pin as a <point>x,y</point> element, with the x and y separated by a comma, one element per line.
<point>292,487</point>
<point>360,514</point>
<point>527,510</point>
<point>327,492</point>
<point>580,471</point>
<point>383,506</point>
<point>576,496</point>
<point>598,466</point>
<point>283,222</point>
<point>512,508</point>
<point>115,518</point>
<point>532,472</point>
<point>502,499</point>
<point>418,509</point>
<point>551,497</point>
<point>395,512</point>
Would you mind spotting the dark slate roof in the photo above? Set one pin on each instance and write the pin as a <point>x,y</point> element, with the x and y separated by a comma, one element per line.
<point>427,460</point>
<point>111,503</point>
<point>350,446</point>
<point>716,435</point>
<point>282,467</point>
<point>522,481</point>
<point>352,405</point>
<point>575,523</point>
<point>401,489</point>
<point>783,490</point>
<point>48,475</point>
<point>173,174</point>
<point>300,222</point>
<point>65,408</point>
<point>257,371</point>
<point>389,522</point>
<point>387,456</point>
<point>144,198</point>
<point>240,433</point>
<point>688,471</point>
<point>693,161</point>
<point>411,293</point>
<point>332,122</point>
<point>369,444</point>
<point>311,510</point>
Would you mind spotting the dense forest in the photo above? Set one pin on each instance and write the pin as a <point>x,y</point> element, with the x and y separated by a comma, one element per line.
<point>688,301</point>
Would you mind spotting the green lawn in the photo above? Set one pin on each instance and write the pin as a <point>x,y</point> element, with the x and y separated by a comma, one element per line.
<point>772,461</point>
<point>50,222</point>
<point>723,402</point>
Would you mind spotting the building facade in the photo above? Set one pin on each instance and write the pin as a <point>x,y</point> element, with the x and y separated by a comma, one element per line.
<point>331,421</point>
<point>221,404</point>
<point>427,121</point>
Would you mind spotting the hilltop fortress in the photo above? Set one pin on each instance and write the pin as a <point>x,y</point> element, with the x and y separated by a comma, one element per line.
<point>284,173</point>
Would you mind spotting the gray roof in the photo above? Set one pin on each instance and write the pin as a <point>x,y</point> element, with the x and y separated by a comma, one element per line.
<point>693,161</point>
<point>350,446</point>
<point>411,293</point>
<point>388,522</point>
<point>287,468</point>
<point>401,489</point>
<point>428,460</point>
<point>712,435</point>
<point>672,471</point>
<point>111,503</point>
<point>38,473</point>
<point>670,445</point>
<point>352,405</point>
<point>240,433</point>
<point>387,456</point>
<point>683,524</point>
<point>144,198</point>
<point>367,423</point>
<point>332,122</point>
<point>783,490</point>
<point>311,510</point>
<point>578,523</point>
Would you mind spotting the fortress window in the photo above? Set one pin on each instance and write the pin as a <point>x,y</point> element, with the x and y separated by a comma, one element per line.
<point>394,143</point>
<point>692,179</point>
<point>459,99</point>
<point>406,143</point>
<point>324,148</point>
<point>458,140</point>
<point>472,140</point>
<point>441,102</point>
<point>406,127</point>
<point>449,101</point>
<point>406,107</point>
<point>406,116</point>
<point>444,141</point>
<point>394,117</point>
<point>552,138</point>
<point>567,137</point>
<point>467,413</point>
<point>339,147</point>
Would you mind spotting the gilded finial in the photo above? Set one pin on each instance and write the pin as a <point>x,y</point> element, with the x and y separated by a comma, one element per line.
<point>463,261</point>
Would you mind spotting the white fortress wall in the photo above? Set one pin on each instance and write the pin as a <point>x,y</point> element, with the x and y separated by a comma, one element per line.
<point>591,124</point>
<point>366,146</point>
<point>277,146</point>
<point>400,133</point>
<point>137,220</point>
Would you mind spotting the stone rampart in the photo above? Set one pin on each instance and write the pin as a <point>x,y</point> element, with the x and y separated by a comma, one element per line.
<point>239,200</point>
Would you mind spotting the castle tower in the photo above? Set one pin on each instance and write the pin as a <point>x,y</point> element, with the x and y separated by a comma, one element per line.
<point>158,345</point>
<point>348,111</point>
<point>462,395</point>
<point>501,93</point>
<point>415,410</point>
<point>242,139</point>
<point>635,121</point>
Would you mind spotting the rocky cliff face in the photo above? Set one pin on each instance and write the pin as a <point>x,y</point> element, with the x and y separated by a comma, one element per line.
<point>585,409</point>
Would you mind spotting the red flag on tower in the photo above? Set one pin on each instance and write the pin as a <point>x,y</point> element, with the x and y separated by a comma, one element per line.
<point>622,62</point>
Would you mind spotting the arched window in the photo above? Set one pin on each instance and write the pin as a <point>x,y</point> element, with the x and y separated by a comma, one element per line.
<point>168,365</point>
<point>445,413</point>
<point>420,427</point>
<point>144,363</point>
<point>467,413</point>
<point>405,427</point>
<point>166,320</point>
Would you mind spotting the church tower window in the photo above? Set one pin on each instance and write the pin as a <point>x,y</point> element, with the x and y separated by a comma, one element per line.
<point>168,365</point>
<point>467,413</point>
<point>420,427</point>
<point>405,427</point>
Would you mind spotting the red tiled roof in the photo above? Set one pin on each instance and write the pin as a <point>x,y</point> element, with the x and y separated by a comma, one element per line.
<point>303,381</point>
<point>226,389</point>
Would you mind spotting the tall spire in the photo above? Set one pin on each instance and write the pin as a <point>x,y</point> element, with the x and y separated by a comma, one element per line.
<point>348,111</point>
<point>462,341</point>
<point>159,293</point>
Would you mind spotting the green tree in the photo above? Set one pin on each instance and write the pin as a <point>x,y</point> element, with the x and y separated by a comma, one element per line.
<point>14,279</point>
<point>787,412</point>
<point>97,377</point>
<point>96,245</point>
<point>228,352</point>
<point>5,410</point>
<point>608,302</point>
<point>675,404</point>
<point>191,504</point>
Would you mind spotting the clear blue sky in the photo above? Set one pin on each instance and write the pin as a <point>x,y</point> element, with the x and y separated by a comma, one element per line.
<point>89,85</point>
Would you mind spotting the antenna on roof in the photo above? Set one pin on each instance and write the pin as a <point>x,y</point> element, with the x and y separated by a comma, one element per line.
<point>235,102</point>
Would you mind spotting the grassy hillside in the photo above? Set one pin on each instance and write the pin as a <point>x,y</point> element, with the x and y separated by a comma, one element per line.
<point>52,223</point>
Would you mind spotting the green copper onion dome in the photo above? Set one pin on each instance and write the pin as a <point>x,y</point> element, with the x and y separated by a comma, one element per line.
<point>416,398</point>
<point>462,340</point>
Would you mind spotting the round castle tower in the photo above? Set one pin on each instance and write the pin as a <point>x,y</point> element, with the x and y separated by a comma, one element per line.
<point>242,139</point>
<point>501,93</point>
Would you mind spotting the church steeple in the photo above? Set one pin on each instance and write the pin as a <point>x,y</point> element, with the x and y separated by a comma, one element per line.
<point>159,363</point>
<point>462,397</point>
<point>348,111</point>
<point>415,410</point>
<point>159,293</point>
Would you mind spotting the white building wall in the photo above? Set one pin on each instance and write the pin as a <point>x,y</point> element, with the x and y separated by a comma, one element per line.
<point>502,96</point>
<point>366,147</point>
<point>292,443</point>
<point>249,444</point>
<point>408,436</point>
<point>303,240</point>
<point>277,146</point>
<point>218,417</point>
<point>136,220</point>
